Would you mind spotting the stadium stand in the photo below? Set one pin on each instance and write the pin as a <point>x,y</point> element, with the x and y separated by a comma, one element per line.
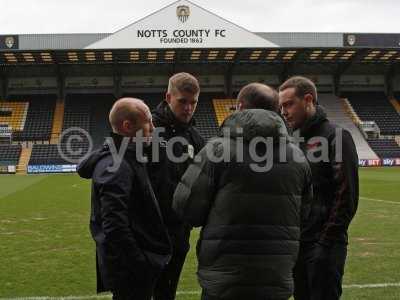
<point>374,106</point>
<point>205,117</point>
<point>9,155</point>
<point>90,112</point>
<point>39,117</point>
<point>334,108</point>
<point>99,125</point>
<point>13,114</point>
<point>385,148</point>
<point>77,112</point>
<point>49,154</point>
<point>223,108</point>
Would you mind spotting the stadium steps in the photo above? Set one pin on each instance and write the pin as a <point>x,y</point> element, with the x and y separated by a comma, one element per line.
<point>336,109</point>
<point>57,122</point>
<point>24,160</point>
<point>223,108</point>
<point>351,112</point>
<point>395,104</point>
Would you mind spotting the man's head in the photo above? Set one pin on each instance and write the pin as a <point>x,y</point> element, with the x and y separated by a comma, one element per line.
<point>129,115</point>
<point>297,100</point>
<point>182,96</point>
<point>257,95</point>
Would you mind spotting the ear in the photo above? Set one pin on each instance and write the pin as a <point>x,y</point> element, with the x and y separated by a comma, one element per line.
<point>309,99</point>
<point>168,97</point>
<point>127,126</point>
<point>240,106</point>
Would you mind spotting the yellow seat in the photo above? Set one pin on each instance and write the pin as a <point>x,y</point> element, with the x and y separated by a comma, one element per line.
<point>16,120</point>
<point>223,108</point>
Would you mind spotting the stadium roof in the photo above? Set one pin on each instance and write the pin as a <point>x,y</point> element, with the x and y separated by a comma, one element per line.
<point>186,32</point>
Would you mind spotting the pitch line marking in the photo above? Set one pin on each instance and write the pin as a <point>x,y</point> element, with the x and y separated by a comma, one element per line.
<point>372,286</point>
<point>379,200</point>
<point>349,286</point>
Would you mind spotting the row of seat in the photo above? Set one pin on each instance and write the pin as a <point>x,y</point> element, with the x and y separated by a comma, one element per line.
<point>31,116</point>
<point>9,154</point>
<point>376,107</point>
<point>385,148</point>
<point>64,153</point>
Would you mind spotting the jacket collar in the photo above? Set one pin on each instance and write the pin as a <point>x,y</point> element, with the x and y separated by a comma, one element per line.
<point>314,121</point>
<point>255,123</point>
<point>166,117</point>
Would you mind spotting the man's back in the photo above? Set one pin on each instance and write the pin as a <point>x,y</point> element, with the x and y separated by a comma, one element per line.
<point>251,219</point>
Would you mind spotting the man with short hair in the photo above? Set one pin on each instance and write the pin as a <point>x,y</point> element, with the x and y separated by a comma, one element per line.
<point>174,115</point>
<point>258,95</point>
<point>132,244</point>
<point>334,164</point>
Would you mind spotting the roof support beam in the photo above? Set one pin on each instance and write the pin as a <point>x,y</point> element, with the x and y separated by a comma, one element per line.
<point>228,86</point>
<point>60,82</point>
<point>177,60</point>
<point>288,68</point>
<point>389,79</point>
<point>343,67</point>
<point>2,78</point>
<point>4,84</point>
<point>117,80</point>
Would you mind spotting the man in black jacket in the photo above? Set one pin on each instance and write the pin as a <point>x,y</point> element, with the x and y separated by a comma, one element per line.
<point>132,244</point>
<point>250,196</point>
<point>334,163</point>
<point>174,116</point>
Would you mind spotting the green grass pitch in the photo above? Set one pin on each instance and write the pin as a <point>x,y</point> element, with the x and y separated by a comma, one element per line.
<point>46,249</point>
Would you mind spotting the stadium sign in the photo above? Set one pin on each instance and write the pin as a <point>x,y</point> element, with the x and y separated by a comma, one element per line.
<point>369,162</point>
<point>183,13</point>
<point>182,24</point>
<point>389,162</point>
<point>386,40</point>
<point>9,42</point>
<point>51,168</point>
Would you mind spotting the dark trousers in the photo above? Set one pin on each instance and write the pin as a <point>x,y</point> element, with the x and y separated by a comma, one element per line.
<point>131,296</point>
<point>318,272</point>
<point>140,287</point>
<point>134,293</point>
<point>205,296</point>
<point>167,283</point>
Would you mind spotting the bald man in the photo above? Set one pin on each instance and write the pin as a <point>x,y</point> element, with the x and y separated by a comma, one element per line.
<point>132,244</point>
<point>258,95</point>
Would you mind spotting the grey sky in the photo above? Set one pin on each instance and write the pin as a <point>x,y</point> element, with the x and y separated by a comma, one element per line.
<point>79,16</point>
